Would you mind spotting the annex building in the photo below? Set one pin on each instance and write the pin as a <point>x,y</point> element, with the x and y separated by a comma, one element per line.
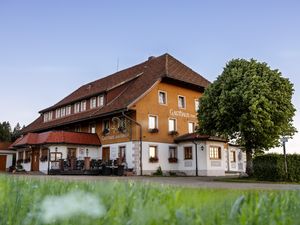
<point>142,118</point>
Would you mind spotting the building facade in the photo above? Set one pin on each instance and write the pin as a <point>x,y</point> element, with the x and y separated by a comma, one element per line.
<point>7,156</point>
<point>145,117</point>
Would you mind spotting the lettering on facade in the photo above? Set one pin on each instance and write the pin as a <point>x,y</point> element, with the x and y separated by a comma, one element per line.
<point>117,136</point>
<point>180,113</point>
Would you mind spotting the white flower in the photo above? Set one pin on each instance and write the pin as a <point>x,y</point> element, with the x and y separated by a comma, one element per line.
<point>54,208</point>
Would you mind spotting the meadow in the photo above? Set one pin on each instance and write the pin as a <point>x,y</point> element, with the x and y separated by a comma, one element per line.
<point>34,201</point>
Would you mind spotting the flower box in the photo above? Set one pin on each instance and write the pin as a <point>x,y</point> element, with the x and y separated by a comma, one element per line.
<point>173,132</point>
<point>173,160</point>
<point>154,130</point>
<point>153,159</point>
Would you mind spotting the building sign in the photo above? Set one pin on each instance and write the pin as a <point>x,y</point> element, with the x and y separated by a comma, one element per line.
<point>117,136</point>
<point>180,113</point>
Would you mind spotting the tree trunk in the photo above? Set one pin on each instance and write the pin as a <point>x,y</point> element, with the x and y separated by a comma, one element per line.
<point>249,165</point>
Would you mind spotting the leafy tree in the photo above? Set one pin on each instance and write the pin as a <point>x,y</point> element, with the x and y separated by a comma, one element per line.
<point>250,104</point>
<point>5,132</point>
<point>16,132</point>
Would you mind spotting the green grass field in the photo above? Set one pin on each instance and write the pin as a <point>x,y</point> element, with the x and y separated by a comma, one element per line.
<point>33,201</point>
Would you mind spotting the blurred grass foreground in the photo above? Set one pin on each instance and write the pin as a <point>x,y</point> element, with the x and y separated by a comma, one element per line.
<point>32,201</point>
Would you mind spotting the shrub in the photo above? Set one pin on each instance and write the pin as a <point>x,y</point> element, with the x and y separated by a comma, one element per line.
<point>271,167</point>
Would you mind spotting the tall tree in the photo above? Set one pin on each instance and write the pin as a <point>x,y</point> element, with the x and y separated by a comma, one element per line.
<point>250,104</point>
<point>5,131</point>
<point>16,132</point>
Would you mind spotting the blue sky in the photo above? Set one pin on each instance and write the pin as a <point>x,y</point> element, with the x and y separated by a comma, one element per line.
<point>50,48</point>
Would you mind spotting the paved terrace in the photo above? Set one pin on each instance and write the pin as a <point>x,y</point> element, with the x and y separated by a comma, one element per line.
<point>192,182</point>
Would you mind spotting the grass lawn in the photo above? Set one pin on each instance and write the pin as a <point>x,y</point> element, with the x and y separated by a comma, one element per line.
<point>32,201</point>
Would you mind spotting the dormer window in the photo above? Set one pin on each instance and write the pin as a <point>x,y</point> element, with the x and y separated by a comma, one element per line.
<point>93,103</point>
<point>77,108</point>
<point>100,100</point>
<point>83,106</point>
<point>48,116</point>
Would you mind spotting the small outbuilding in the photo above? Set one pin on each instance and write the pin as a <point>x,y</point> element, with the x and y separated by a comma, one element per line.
<point>7,156</point>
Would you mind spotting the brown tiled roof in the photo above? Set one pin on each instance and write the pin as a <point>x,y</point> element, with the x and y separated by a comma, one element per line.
<point>198,137</point>
<point>122,88</point>
<point>57,137</point>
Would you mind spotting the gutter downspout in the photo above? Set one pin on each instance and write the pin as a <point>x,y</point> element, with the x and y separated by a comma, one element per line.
<point>49,161</point>
<point>141,136</point>
<point>196,150</point>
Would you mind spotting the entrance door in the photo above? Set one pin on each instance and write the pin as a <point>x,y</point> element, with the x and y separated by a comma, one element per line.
<point>2,162</point>
<point>105,154</point>
<point>35,160</point>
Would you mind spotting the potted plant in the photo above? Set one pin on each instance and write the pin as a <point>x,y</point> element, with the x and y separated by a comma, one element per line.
<point>173,160</point>
<point>122,129</point>
<point>153,130</point>
<point>153,159</point>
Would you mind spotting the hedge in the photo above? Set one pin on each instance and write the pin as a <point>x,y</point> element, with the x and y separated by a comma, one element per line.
<point>270,167</point>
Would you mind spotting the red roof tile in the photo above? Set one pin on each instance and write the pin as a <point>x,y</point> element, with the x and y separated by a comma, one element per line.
<point>122,89</point>
<point>58,137</point>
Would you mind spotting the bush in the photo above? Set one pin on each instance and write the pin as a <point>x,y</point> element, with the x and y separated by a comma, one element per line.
<point>271,167</point>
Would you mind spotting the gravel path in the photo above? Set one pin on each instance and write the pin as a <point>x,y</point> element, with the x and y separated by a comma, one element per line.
<point>193,182</point>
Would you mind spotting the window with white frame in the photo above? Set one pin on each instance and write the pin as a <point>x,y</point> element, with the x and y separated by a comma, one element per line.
<point>46,117</point>
<point>83,106</point>
<point>153,152</point>
<point>68,110</point>
<point>181,102</point>
<point>172,152</point>
<point>106,125</point>
<point>63,111</point>
<point>152,122</point>
<point>50,115</point>
<point>100,100</point>
<point>93,103</point>
<point>172,125</point>
<point>232,156</point>
<point>162,97</point>
<point>196,105</point>
<point>93,128</point>
<point>214,152</point>
<point>57,113</point>
<point>77,107</point>
<point>122,154</point>
<point>188,153</point>
<point>191,127</point>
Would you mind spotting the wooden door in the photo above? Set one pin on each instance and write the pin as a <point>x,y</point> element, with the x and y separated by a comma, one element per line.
<point>105,154</point>
<point>35,160</point>
<point>2,162</point>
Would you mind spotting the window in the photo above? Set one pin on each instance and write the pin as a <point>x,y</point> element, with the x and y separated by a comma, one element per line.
<point>232,156</point>
<point>122,154</point>
<point>188,153</point>
<point>77,108</point>
<point>44,156</point>
<point>63,111</point>
<point>196,105</point>
<point>93,103</point>
<point>100,100</point>
<point>83,106</point>
<point>78,128</point>
<point>46,117</point>
<point>215,152</point>
<point>152,122</point>
<point>181,102</point>
<point>173,152</point>
<point>162,97</point>
<point>153,153</point>
<point>20,155</point>
<point>57,113</point>
<point>191,127</point>
<point>50,115</point>
<point>68,110</point>
<point>172,125</point>
<point>93,128</point>
<point>106,126</point>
